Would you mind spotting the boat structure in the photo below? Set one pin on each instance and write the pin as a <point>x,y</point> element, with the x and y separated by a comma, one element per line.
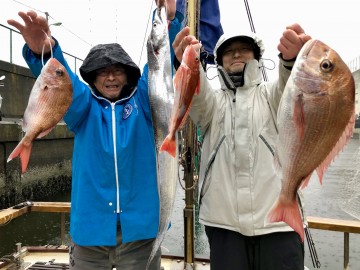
<point>57,256</point>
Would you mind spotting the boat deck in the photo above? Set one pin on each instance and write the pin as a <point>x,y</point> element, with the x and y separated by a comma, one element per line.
<point>38,260</point>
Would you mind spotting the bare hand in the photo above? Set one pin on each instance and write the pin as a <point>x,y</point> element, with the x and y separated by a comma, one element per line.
<point>182,40</point>
<point>292,40</point>
<point>34,31</point>
<point>171,9</point>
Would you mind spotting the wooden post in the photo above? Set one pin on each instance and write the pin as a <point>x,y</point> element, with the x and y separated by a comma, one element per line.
<point>346,250</point>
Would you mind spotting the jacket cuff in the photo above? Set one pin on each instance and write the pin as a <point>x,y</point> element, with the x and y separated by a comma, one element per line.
<point>288,64</point>
<point>29,54</point>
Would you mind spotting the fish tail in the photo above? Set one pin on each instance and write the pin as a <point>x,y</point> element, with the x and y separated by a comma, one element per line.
<point>24,152</point>
<point>169,145</point>
<point>288,213</point>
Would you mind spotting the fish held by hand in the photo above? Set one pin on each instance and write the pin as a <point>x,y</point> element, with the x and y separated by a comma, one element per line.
<point>186,84</point>
<point>48,102</point>
<point>315,120</point>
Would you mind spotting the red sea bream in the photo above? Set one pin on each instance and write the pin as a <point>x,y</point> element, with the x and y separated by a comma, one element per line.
<point>49,100</point>
<point>315,120</point>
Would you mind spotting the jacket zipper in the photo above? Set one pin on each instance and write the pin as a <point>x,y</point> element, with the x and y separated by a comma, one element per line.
<point>211,161</point>
<point>113,122</point>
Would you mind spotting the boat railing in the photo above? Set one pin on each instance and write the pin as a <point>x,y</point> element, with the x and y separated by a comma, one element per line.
<point>16,42</point>
<point>328,224</point>
<point>338,225</point>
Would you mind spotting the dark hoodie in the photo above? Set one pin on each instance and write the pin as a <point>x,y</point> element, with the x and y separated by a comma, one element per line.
<point>104,55</point>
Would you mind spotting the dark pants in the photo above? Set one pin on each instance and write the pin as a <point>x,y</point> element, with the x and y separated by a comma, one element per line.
<point>124,256</point>
<point>230,250</point>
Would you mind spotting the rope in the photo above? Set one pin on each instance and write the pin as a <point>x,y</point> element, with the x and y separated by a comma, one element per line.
<point>252,27</point>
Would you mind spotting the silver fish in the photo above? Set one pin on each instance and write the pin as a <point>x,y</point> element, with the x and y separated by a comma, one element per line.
<point>161,94</point>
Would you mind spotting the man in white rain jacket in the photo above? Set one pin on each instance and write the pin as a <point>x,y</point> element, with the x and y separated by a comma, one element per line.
<point>238,182</point>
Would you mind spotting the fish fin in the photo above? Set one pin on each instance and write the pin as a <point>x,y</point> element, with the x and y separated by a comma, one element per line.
<point>299,117</point>
<point>184,74</point>
<point>186,114</point>
<point>305,182</point>
<point>343,140</point>
<point>24,152</point>
<point>288,213</point>
<point>169,145</point>
<point>45,132</point>
<point>197,89</point>
<point>180,77</point>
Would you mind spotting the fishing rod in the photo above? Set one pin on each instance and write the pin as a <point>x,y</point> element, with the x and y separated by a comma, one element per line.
<point>188,143</point>
<point>252,27</point>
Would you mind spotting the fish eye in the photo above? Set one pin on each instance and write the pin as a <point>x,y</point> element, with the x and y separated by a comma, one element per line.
<point>326,65</point>
<point>59,72</point>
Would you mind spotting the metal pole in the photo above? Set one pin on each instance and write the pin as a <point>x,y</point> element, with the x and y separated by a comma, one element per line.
<point>346,251</point>
<point>11,46</point>
<point>62,228</point>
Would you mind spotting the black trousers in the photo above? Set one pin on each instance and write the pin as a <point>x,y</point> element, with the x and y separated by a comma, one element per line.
<point>230,250</point>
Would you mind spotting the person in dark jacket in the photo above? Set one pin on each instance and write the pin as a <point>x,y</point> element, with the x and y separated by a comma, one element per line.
<point>114,204</point>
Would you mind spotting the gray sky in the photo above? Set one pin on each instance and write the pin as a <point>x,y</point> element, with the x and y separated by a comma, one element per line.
<point>89,22</point>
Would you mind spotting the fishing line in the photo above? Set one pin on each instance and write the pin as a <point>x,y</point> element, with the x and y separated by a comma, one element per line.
<point>207,69</point>
<point>48,15</point>
<point>267,59</point>
<point>145,35</point>
<point>43,49</point>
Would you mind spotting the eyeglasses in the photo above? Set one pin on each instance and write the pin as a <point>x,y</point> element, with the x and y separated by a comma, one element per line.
<point>115,71</point>
<point>241,50</point>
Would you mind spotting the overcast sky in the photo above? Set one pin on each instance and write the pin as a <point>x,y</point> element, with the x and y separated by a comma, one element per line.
<point>88,22</point>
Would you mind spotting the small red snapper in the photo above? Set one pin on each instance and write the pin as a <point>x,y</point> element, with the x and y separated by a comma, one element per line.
<point>186,84</point>
<point>315,120</point>
<point>49,100</point>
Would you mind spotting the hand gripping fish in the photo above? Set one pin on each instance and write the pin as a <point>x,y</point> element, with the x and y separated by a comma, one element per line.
<point>161,95</point>
<point>49,100</point>
<point>186,84</point>
<point>315,120</point>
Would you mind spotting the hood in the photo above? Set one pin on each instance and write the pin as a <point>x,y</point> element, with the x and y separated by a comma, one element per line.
<point>251,38</point>
<point>104,55</point>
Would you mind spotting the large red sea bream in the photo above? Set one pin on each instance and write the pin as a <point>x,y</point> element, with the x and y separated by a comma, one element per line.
<point>315,120</point>
<point>49,100</point>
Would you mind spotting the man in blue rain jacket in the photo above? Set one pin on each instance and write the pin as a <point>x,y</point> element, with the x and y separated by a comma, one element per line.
<point>114,199</point>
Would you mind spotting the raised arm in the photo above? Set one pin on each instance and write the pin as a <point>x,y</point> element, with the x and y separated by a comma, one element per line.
<point>35,31</point>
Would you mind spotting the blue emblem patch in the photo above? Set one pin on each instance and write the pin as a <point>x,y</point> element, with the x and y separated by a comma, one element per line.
<point>127,111</point>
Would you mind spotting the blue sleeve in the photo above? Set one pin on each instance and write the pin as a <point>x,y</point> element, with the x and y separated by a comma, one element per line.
<point>81,92</point>
<point>210,25</point>
<point>175,27</point>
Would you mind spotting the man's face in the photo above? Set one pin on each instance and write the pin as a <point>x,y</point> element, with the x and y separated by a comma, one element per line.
<point>110,80</point>
<point>236,55</point>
